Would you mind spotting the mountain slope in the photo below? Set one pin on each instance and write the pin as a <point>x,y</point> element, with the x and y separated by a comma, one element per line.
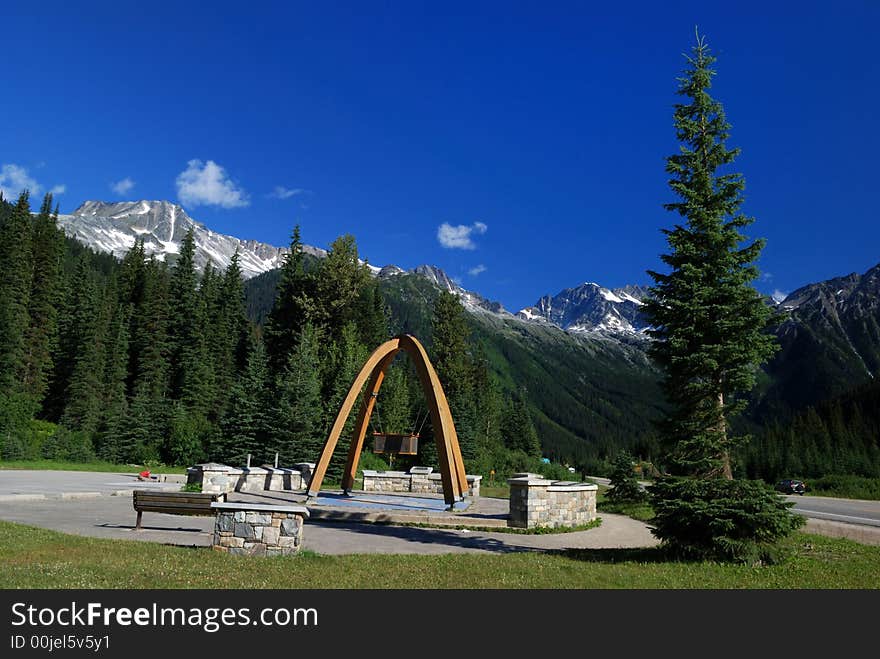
<point>589,392</point>
<point>829,339</point>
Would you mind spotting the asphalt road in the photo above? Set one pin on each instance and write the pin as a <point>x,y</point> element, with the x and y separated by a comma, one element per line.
<point>849,511</point>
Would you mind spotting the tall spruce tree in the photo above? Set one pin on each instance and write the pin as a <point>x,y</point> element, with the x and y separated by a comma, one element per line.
<point>16,265</point>
<point>518,429</point>
<point>297,433</point>
<point>146,425</point>
<point>709,325</point>
<point>452,360</point>
<point>115,402</point>
<point>47,250</point>
<point>247,422</point>
<point>292,307</point>
<point>339,284</point>
<point>709,322</point>
<point>191,380</point>
<point>82,402</point>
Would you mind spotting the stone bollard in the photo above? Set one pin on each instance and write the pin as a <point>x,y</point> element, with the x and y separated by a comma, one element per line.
<point>538,502</point>
<point>256,529</point>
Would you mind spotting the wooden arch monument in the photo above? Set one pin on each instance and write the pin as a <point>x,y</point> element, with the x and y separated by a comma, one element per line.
<point>448,452</point>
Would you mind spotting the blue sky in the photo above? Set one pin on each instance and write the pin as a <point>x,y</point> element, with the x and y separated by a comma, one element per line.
<point>536,131</point>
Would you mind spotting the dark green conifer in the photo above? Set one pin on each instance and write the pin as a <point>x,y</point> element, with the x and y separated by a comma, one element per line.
<point>709,323</point>
<point>292,307</point>
<point>297,432</point>
<point>47,250</point>
<point>451,358</point>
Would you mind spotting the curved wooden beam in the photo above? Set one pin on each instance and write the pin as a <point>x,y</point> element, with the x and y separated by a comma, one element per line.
<point>360,428</point>
<point>448,451</point>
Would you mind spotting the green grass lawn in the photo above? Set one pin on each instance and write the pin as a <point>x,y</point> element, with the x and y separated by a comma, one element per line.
<point>37,558</point>
<point>496,491</point>
<point>87,466</point>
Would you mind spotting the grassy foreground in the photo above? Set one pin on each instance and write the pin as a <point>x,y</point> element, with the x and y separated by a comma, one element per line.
<point>38,558</point>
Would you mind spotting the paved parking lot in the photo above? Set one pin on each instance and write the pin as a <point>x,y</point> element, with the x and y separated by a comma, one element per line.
<point>18,484</point>
<point>106,515</point>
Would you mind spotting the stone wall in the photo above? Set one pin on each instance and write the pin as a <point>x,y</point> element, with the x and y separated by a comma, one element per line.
<point>538,502</point>
<point>423,483</point>
<point>258,529</point>
<point>222,479</point>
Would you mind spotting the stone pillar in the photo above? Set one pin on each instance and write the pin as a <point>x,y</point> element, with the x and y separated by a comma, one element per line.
<point>258,529</point>
<point>539,502</point>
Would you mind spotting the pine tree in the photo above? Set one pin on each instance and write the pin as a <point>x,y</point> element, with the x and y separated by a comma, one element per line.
<point>296,434</point>
<point>518,429</point>
<point>709,325</point>
<point>709,322</point>
<point>451,359</point>
<point>624,486</point>
<point>292,307</point>
<point>16,265</point>
<point>82,408</point>
<point>339,283</point>
<point>393,410</point>
<point>115,402</point>
<point>191,379</point>
<point>47,246</point>
<point>247,423</point>
<point>341,365</point>
<point>233,332</point>
<point>147,423</point>
<point>371,317</point>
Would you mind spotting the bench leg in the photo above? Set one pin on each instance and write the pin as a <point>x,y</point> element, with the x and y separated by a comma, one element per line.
<point>137,526</point>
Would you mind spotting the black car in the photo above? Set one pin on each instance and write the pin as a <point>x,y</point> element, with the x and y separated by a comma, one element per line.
<point>791,487</point>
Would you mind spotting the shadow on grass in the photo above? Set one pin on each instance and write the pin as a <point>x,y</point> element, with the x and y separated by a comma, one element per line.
<point>622,555</point>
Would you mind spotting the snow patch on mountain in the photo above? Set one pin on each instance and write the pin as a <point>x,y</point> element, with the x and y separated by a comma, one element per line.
<point>161,225</point>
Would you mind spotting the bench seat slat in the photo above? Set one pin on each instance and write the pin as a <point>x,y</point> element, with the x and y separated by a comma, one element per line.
<point>172,503</point>
<point>206,502</point>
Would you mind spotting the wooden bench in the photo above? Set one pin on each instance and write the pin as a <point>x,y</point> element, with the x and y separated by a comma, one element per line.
<point>173,503</point>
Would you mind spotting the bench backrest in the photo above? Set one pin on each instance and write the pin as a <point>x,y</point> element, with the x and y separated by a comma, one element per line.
<point>188,499</point>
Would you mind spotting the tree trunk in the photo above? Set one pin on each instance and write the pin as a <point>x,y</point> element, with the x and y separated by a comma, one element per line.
<point>726,470</point>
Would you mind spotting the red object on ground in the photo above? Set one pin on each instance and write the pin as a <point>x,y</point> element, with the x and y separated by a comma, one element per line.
<point>145,473</point>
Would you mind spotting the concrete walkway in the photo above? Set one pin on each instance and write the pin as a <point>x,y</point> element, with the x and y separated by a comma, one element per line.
<point>25,485</point>
<point>103,511</point>
<point>113,517</point>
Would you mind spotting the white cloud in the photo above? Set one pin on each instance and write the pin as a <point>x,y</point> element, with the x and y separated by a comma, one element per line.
<point>14,179</point>
<point>206,184</point>
<point>122,187</point>
<point>778,296</point>
<point>766,276</point>
<point>280,192</point>
<point>459,236</point>
<point>473,272</point>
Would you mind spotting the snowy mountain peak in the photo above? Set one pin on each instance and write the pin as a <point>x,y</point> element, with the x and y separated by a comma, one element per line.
<point>115,226</point>
<point>590,308</point>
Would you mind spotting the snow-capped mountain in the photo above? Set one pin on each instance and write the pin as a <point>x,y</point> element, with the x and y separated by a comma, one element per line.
<point>114,227</point>
<point>591,308</point>
<point>162,225</point>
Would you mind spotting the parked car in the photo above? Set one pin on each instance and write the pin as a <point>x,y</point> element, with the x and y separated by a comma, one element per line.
<point>790,486</point>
